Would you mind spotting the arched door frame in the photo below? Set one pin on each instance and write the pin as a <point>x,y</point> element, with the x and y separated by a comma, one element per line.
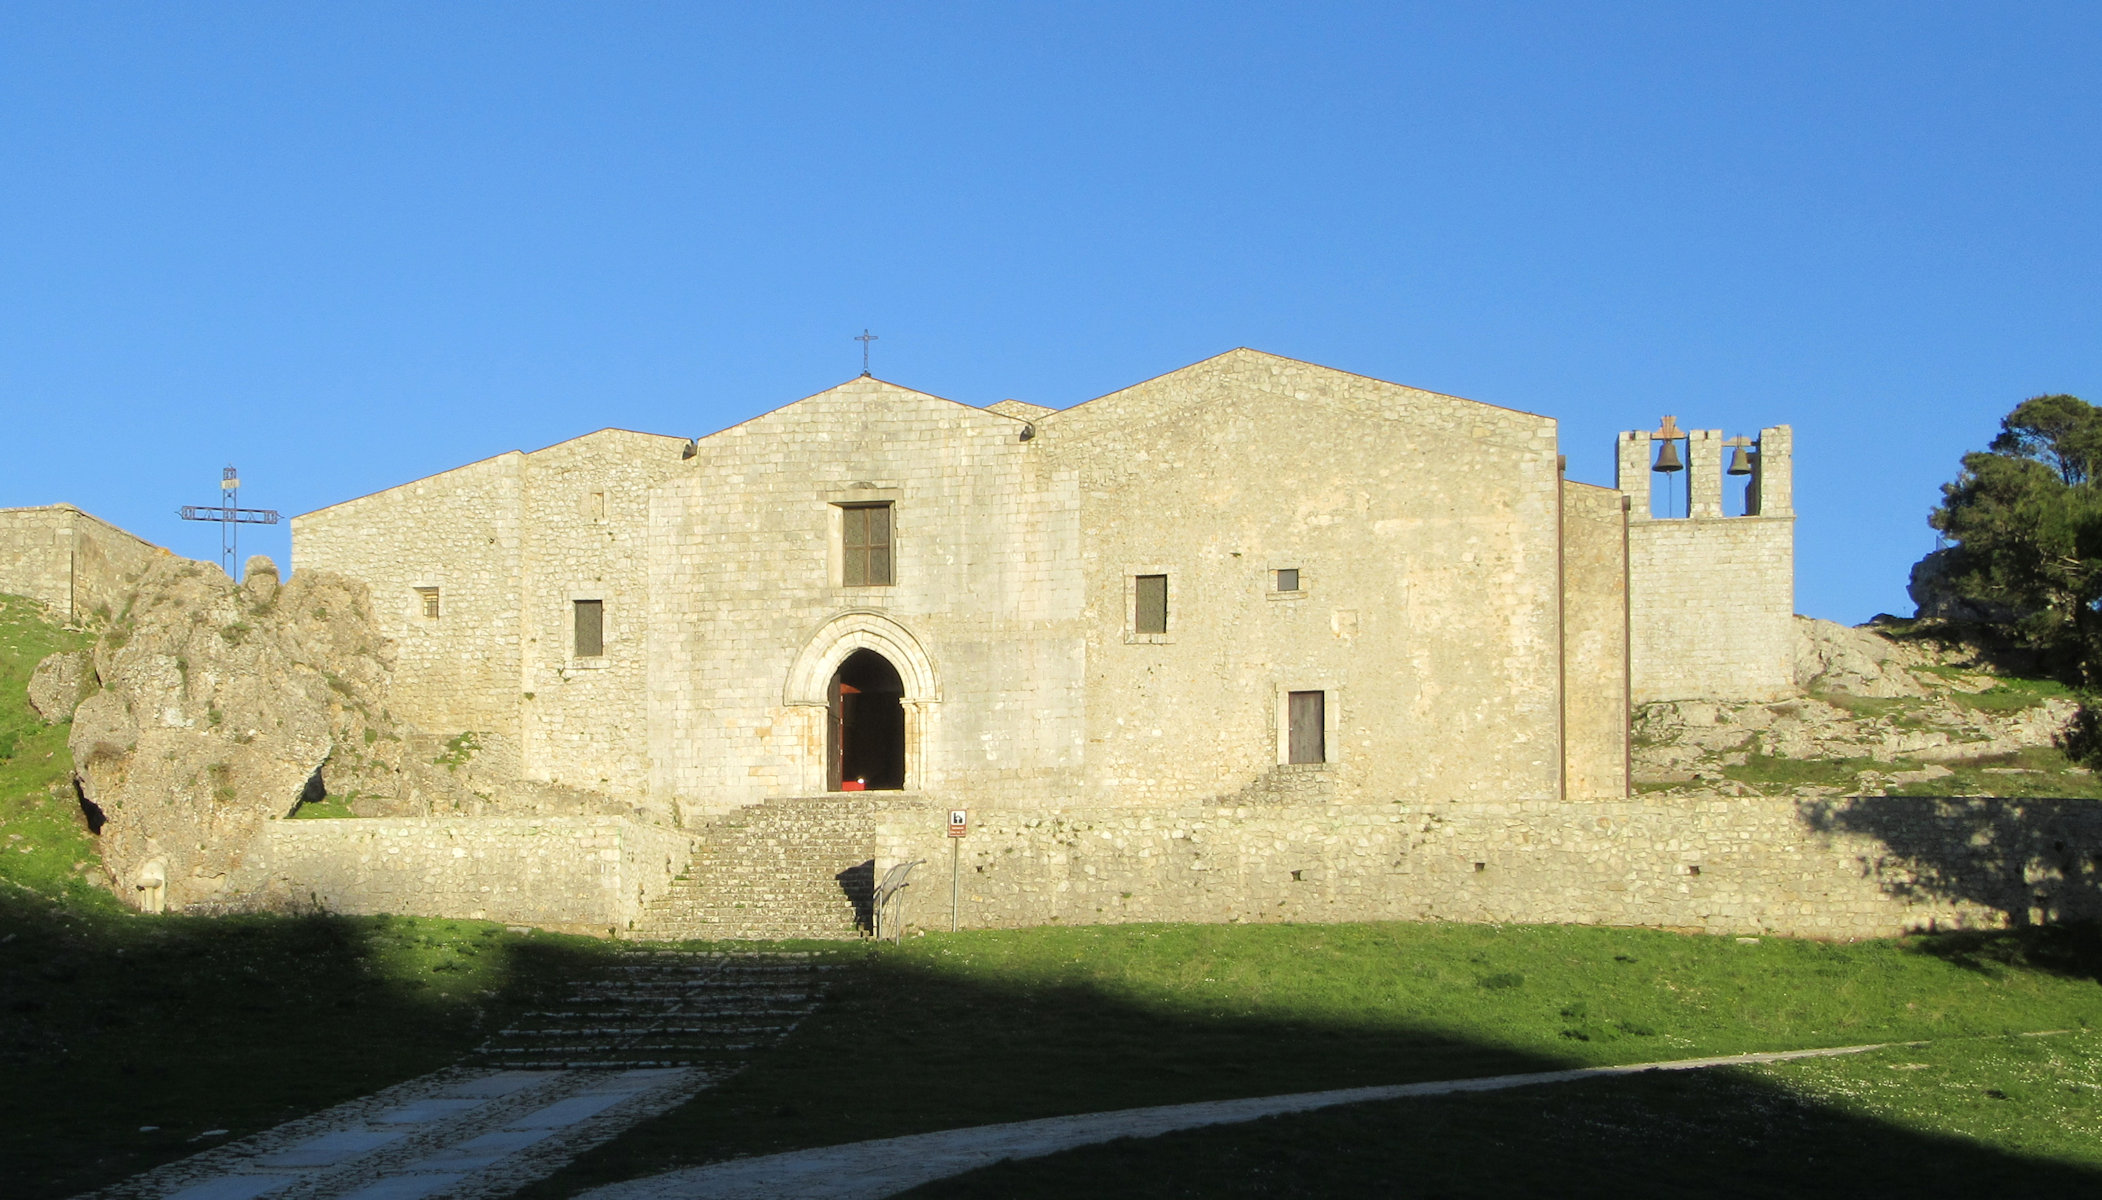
<point>810,679</point>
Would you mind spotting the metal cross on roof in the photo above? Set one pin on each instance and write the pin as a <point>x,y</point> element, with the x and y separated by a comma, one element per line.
<point>229,517</point>
<point>865,338</point>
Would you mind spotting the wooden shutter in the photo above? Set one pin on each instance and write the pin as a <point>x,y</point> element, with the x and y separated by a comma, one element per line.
<point>1152,613</point>
<point>1305,714</point>
<point>591,628</point>
<point>865,545</point>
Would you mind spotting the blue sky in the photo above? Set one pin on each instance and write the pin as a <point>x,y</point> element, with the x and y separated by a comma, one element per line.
<point>343,246</point>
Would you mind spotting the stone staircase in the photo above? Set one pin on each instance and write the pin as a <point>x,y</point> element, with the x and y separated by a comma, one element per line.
<point>799,867</point>
<point>669,1008</point>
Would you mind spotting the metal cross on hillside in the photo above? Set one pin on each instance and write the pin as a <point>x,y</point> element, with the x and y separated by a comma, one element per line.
<point>229,518</point>
<point>865,338</point>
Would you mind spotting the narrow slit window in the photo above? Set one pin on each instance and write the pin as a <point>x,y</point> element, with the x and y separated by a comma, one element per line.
<point>1306,713</point>
<point>1152,599</point>
<point>591,628</point>
<point>428,596</point>
<point>1288,579</point>
<point>865,545</point>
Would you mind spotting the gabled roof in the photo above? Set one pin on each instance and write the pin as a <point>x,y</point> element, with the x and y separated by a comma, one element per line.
<point>1243,360</point>
<point>871,386</point>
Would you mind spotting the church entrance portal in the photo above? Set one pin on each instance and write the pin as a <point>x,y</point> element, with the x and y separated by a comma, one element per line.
<point>865,746</point>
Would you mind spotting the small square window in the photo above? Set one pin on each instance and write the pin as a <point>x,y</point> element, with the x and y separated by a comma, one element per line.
<point>1151,612</point>
<point>865,545</point>
<point>1288,579</point>
<point>590,628</point>
<point>429,596</point>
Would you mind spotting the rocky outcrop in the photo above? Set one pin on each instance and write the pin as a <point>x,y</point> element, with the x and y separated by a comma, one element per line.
<point>60,683</point>
<point>219,706</point>
<point>223,707</point>
<point>1869,699</point>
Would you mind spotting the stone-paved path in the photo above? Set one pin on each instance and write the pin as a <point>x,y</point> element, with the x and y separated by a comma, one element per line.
<point>620,1048</point>
<point>871,1170</point>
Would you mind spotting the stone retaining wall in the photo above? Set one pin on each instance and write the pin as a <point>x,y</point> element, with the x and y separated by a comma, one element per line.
<point>1864,867</point>
<point>583,874</point>
<point>73,562</point>
<point>1832,868</point>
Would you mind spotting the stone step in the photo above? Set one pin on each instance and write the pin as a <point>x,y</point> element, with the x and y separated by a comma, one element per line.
<point>783,869</point>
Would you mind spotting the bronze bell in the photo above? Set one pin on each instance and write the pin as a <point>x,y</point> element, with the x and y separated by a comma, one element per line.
<point>1668,456</point>
<point>1740,462</point>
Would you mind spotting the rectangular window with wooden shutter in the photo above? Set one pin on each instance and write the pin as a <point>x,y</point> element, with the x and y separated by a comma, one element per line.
<point>1151,613</point>
<point>590,628</point>
<point>1306,713</point>
<point>865,545</point>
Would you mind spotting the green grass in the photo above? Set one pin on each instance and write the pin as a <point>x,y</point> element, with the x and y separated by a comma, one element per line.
<point>44,843</point>
<point>2040,771</point>
<point>1868,708</point>
<point>1762,770</point>
<point>2013,695</point>
<point>977,1028</point>
<point>329,808</point>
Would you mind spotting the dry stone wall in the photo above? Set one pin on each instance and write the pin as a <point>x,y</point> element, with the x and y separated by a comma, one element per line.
<point>1870,867</point>
<point>583,874</point>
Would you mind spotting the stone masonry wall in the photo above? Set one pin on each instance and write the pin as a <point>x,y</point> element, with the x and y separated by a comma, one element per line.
<point>1424,530</point>
<point>458,532</point>
<point>75,563</point>
<point>1711,599</point>
<point>750,613</point>
<point>1864,868</point>
<point>1594,643</point>
<point>583,874</point>
<point>584,536</point>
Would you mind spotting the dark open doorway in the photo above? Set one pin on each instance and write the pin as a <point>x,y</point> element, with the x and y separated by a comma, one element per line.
<point>866,742</point>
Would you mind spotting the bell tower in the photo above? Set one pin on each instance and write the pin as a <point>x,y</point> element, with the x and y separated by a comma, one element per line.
<point>1711,598</point>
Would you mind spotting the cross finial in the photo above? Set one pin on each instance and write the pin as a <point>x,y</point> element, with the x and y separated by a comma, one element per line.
<point>865,338</point>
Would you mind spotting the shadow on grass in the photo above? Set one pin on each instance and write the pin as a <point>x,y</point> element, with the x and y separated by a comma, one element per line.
<point>904,1046</point>
<point>111,1021</point>
<point>2034,861</point>
<point>1714,1133</point>
<point>2073,950</point>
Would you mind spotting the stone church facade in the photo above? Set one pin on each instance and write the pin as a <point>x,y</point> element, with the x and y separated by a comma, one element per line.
<point>1252,579</point>
<point>1255,640</point>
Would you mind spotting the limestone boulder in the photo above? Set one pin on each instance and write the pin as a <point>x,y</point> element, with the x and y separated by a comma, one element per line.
<point>1830,657</point>
<point>60,683</point>
<point>218,709</point>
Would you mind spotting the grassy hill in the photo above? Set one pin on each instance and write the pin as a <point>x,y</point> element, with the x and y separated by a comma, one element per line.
<point>44,845</point>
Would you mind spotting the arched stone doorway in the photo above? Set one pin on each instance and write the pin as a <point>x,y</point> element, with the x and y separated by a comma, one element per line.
<point>813,687</point>
<point>865,726</point>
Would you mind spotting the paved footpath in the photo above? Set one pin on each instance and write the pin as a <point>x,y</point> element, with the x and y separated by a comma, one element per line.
<point>869,1170</point>
<point>618,1049</point>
